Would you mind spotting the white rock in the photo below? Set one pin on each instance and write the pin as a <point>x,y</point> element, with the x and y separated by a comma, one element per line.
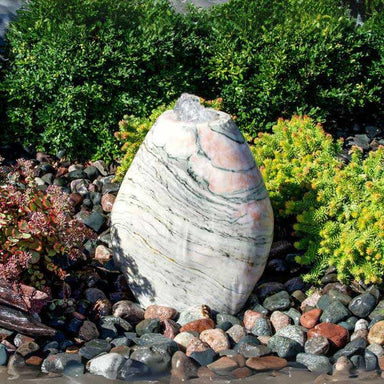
<point>192,222</point>
<point>106,365</point>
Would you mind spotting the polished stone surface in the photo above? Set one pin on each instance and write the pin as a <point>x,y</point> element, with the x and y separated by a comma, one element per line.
<point>192,222</point>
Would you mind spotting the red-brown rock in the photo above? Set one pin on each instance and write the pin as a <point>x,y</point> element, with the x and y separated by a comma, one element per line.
<point>216,339</point>
<point>204,372</point>
<point>160,312</point>
<point>250,318</point>
<point>337,335</point>
<point>241,373</point>
<point>75,199</point>
<point>266,362</point>
<point>310,319</point>
<point>198,325</point>
<point>107,202</point>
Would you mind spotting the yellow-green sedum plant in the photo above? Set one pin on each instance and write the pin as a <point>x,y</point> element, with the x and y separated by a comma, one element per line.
<point>337,208</point>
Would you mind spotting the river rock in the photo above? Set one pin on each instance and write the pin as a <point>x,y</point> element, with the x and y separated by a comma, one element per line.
<point>362,305</point>
<point>318,345</point>
<point>183,367</point>
<point>315,363</point>
<point>337,336</point>
<point>157,361</point>
<point>216,338</point>
<point>107,365</point>
<point>376,333</point>
<point>193,184</point>
<point>266,362</point>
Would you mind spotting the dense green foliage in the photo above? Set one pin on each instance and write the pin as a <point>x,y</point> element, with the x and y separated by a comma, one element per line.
<point>338,208</point>
<point>77,65</point>
<point>305,57</point>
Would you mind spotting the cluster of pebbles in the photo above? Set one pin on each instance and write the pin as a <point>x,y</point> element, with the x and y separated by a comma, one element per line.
<point>94,325</point>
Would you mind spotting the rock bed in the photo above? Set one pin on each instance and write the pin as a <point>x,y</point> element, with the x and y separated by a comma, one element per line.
<point>100,329</point>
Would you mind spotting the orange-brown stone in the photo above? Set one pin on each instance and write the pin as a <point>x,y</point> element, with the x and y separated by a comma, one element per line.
<point>310,319</point>
<point>337,335</point>
<point>266,362</point>
<point>199,325</point>
<point>34,361</point>
<point>241,373</point>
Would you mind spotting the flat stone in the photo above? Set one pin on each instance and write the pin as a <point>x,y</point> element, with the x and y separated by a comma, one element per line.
<point>377,349</point>
<point>318,345</point>
<point>280,320</point>
<point>217,339</point>
<point>224,365</point>
<point>94,348</point>
<point>284,347</point>
<point>198,325</point>
<point>183,367</point>
<point>335,312</point>
<point>107,365</point>
<point>185,171</point>
<point>241,373</point>
<point>278,301</point>
<point>34,361</point>
<point>314,363</point>
<point>18,321</point>
<point>310,319</point>
<point>362,305</point>
<point>376,333</point>
<point>129,311</point>
<point>250,350</point>
<point>27,348</point>
<point>132,369</point>
<point>58,362</point>
<point>266,363</point>
<point>337,336</point>
<point>160,312</point>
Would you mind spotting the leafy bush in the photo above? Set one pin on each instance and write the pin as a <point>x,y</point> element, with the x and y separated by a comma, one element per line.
<point>76,66</point>
<point>38,236</point>
<point>337,207</point>
<point>132,132</point>
<point>303,57</point>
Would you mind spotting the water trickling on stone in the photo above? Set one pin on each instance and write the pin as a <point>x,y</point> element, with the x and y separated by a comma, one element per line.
<point>189,109</point>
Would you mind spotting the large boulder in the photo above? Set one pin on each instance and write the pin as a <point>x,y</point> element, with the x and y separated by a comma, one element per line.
<point>192,222</point>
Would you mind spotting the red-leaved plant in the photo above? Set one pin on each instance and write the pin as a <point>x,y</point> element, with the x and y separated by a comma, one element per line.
<point>37,230</point>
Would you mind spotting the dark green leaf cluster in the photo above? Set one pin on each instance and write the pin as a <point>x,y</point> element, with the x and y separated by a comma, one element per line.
<point>76,66</point>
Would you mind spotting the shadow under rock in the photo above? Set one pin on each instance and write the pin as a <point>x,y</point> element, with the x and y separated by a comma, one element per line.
<point>139,285</point>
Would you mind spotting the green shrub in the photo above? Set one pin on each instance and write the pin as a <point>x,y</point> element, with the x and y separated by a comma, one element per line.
<point>303,57</point>
<point>337,208</point>
<point>76,66</point>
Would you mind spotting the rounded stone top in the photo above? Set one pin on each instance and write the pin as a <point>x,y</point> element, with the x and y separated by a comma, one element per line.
<point>188,109</point>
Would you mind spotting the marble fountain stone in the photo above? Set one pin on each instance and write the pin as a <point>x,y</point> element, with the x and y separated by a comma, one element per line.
<point>192,222</point>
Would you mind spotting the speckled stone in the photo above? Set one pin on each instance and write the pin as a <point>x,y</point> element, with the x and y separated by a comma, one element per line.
<point>278,301</point>
<point>193,167</point>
